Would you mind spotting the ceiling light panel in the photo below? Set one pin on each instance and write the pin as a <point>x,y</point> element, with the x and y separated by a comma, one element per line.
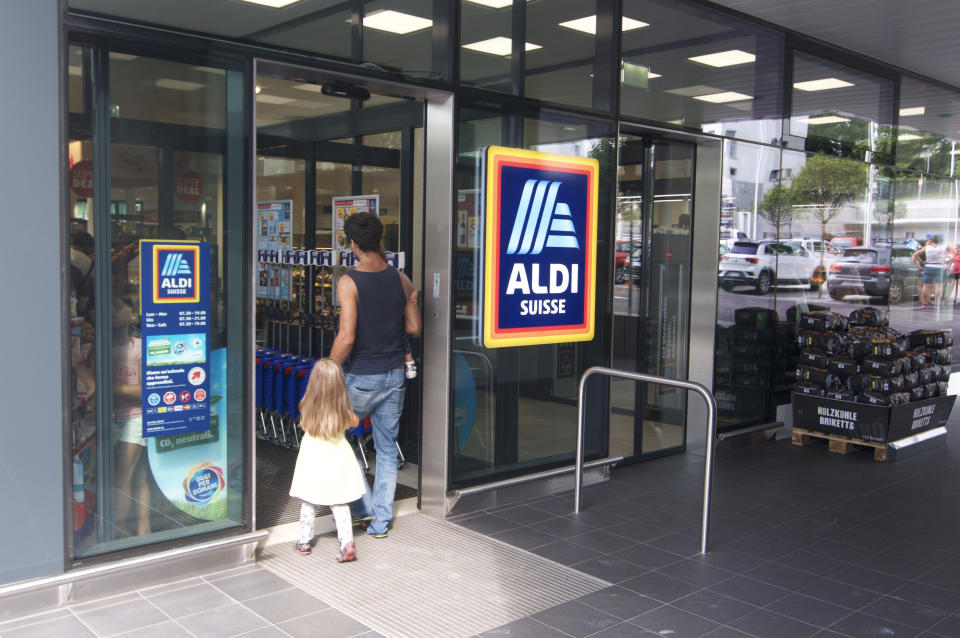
<point>498,46</point>
<point>722,98</point>
<point>827,119</point>
<point>823,84</point>
<point>276,4</point>
<point>493,4</point>
<point>914,110</point>
<point>395,22</point>
<point>724,58</point>
<point>588,24</point>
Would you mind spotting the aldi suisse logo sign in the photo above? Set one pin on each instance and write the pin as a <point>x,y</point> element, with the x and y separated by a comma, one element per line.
<point>539,248</point>
<point>175,273</point>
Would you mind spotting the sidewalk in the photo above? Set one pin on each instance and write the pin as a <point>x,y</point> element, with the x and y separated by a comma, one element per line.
<point>803,543</point>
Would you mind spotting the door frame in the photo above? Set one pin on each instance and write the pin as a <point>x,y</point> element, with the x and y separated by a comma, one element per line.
<point>437,260</point>
<point>705,255</point>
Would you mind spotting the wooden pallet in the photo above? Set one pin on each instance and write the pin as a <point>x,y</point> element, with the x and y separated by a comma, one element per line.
<point>839,444</point>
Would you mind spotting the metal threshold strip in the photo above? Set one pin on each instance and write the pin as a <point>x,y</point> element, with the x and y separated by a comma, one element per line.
<point>537,476</point>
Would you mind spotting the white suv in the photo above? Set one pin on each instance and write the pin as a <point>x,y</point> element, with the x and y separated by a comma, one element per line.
<point>768,262</point>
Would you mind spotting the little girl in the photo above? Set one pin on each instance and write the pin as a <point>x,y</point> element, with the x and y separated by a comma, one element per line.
<point>327,472</point>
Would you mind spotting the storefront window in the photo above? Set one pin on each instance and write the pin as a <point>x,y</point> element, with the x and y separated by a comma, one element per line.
<point>929,127</point>
<point>562,60</point>
<point>153,460</point>
<point>515,407</point>
<point>838,110</point>
<point>693,67</point>
<point>406,36</point>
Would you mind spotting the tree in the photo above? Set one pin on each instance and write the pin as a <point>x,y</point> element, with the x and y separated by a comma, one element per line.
<point>777,207</point>
<point>825,185</point>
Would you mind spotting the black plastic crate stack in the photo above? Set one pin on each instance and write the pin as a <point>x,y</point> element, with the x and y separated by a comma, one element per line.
<point>743,366</point>
<point>860,358</point>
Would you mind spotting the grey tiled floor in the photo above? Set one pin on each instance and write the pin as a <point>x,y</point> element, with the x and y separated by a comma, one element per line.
<point>803,543</point>
<point>247,601</point>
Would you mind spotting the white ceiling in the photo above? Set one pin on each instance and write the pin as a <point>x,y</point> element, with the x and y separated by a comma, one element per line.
<point>917,35</point>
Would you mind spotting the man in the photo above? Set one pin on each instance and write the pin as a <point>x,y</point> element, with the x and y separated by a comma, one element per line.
<point>378,304</point>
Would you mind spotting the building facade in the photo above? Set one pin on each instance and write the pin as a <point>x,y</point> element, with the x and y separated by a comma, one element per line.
<point>242,128</point>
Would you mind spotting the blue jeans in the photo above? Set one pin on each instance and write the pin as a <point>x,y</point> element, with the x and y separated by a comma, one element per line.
<point>379,396</point>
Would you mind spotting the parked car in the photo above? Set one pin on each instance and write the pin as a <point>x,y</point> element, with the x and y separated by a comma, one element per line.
<point>883,270</point>
<point>766,263</point>
<point>621,258</point>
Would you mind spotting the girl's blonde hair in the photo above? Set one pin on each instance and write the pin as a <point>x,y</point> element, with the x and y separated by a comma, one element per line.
<point>325,410</point>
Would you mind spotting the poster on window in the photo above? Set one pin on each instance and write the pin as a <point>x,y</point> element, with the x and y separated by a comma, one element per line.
<point>175,337</point>
<point>343,207</point>
<point>274,224</point>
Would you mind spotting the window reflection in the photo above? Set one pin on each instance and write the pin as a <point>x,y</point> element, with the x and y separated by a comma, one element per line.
<point>697,68</point>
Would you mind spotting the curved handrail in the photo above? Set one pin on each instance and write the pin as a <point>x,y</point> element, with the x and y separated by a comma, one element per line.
<point>676,383</point>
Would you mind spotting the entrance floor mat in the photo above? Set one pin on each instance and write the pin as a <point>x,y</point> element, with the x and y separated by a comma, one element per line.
<point>275,506</point>
<point>430,578</point>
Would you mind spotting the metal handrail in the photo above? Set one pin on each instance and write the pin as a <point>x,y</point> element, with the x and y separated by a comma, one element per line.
<point>650,378</point>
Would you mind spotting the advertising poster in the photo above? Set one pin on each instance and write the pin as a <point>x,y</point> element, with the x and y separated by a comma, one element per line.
<point>190,468</point>
<point>539,253</point>
<point>175,331</point>
<point>274,225</point>
<point>343,207</point>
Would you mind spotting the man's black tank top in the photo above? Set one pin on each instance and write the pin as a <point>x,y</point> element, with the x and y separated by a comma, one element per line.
<point>380,322</point>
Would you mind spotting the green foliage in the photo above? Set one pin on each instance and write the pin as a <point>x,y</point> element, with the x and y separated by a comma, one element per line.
<point>827,183</point>
<point>777,206</point>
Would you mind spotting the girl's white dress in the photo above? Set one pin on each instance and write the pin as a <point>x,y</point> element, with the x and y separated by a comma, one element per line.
<point>327,472</point>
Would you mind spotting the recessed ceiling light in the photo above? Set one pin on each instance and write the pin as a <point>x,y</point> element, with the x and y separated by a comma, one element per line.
<point>493,4</point>
<point>395,22</point>
<point>720,98</point>
<point>126,57</point>
<point>75,69</point>
<point>276,4</point>
<point>822,84</point>
<point>724,58</point>
<point>257,89</point>
<point>177,85</point>
<point>827,119</point>
<point>209,69</point>
<point>913,110</point>
<point>274,99</point>
<point>498,46</point>
<point>696,89</point>
<point>588,24</point>
<point>906,137</point>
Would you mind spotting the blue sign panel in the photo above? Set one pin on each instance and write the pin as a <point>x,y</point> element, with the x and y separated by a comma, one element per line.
<point>540,223</point>
<point>175,336</point>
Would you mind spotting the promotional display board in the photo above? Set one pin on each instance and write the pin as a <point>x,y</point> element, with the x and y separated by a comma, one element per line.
<point>190,468</point>
<point>274,233</point>
<point>175,331</point>
<point>870,422</point>
<point>343,207</point>
<point>539,251</point>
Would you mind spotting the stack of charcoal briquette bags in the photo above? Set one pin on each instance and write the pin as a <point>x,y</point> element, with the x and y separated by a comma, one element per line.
<point>860,358</point>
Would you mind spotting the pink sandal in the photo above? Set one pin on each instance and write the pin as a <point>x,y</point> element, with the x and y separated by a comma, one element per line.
<point>303,549</point>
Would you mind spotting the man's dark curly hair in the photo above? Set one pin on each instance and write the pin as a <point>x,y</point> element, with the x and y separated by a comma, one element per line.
<point>366,229</point>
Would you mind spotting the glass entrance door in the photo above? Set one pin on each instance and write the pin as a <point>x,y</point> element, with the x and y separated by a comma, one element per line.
<point>320,158</point>
<point>651,293</point>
